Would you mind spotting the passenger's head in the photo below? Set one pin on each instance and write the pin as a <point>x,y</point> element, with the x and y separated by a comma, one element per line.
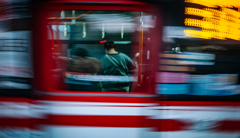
<point>79,52</point>
<point>109,45</point>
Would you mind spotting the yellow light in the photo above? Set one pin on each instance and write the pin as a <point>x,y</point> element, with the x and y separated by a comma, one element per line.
<point>198,12</point>
<point>198,34</point>
<point>219,24</point>
<point>215,3</point>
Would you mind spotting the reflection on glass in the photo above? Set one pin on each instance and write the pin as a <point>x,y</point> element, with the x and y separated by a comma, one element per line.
<point>100,50</point>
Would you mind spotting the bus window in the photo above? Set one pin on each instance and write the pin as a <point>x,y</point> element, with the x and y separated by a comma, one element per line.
<point>106,51</point>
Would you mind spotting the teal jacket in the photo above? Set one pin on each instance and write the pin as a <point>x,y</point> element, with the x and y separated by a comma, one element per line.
<point>108,68</point>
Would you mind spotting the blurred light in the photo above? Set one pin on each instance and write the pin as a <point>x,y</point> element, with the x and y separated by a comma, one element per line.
<point>216,3</point>
<point>102,78</point>
<point>104,41</point>
<point>122,42</point>
<point>122,33</point>
<point>73,13</point>
<point>103,31</point>
<point>73,21</point>
<point>84,30</point>
<point>190,55</point>
<point>177,68</point>
<point>66,30</point>
<point>219,24</point>
<point>62,15</point>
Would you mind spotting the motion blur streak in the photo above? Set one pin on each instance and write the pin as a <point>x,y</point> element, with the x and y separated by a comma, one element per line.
<point>119,69</point>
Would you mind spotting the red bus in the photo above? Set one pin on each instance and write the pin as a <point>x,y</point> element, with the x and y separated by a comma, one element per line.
<point>183,85</point>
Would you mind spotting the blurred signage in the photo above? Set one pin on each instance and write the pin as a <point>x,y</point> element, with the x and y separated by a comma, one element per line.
<point>216,3</point>
<point>171,77</point>
<point>15,60</point>
<point>170,32</point>
<point>217,18</point>
<point>15,9</point>
<point>184,62</point>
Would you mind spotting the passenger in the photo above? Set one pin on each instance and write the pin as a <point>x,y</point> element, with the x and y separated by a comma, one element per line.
<point>115,64</point>
<point>82,63</point>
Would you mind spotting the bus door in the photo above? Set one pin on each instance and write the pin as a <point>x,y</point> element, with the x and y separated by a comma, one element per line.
<point>92,91</point>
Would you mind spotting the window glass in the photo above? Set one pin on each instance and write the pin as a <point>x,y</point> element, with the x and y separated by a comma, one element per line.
<point>104,51</point>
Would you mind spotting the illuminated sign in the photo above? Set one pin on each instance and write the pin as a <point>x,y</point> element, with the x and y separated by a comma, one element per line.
<point>218,19</point>
<point>216,3</point>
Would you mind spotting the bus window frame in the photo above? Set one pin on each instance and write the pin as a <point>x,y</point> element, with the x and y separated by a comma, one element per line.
<point>42,65</point>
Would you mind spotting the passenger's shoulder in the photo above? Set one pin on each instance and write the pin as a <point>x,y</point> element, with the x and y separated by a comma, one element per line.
<point>123,55</point>
<point>103,57</point>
